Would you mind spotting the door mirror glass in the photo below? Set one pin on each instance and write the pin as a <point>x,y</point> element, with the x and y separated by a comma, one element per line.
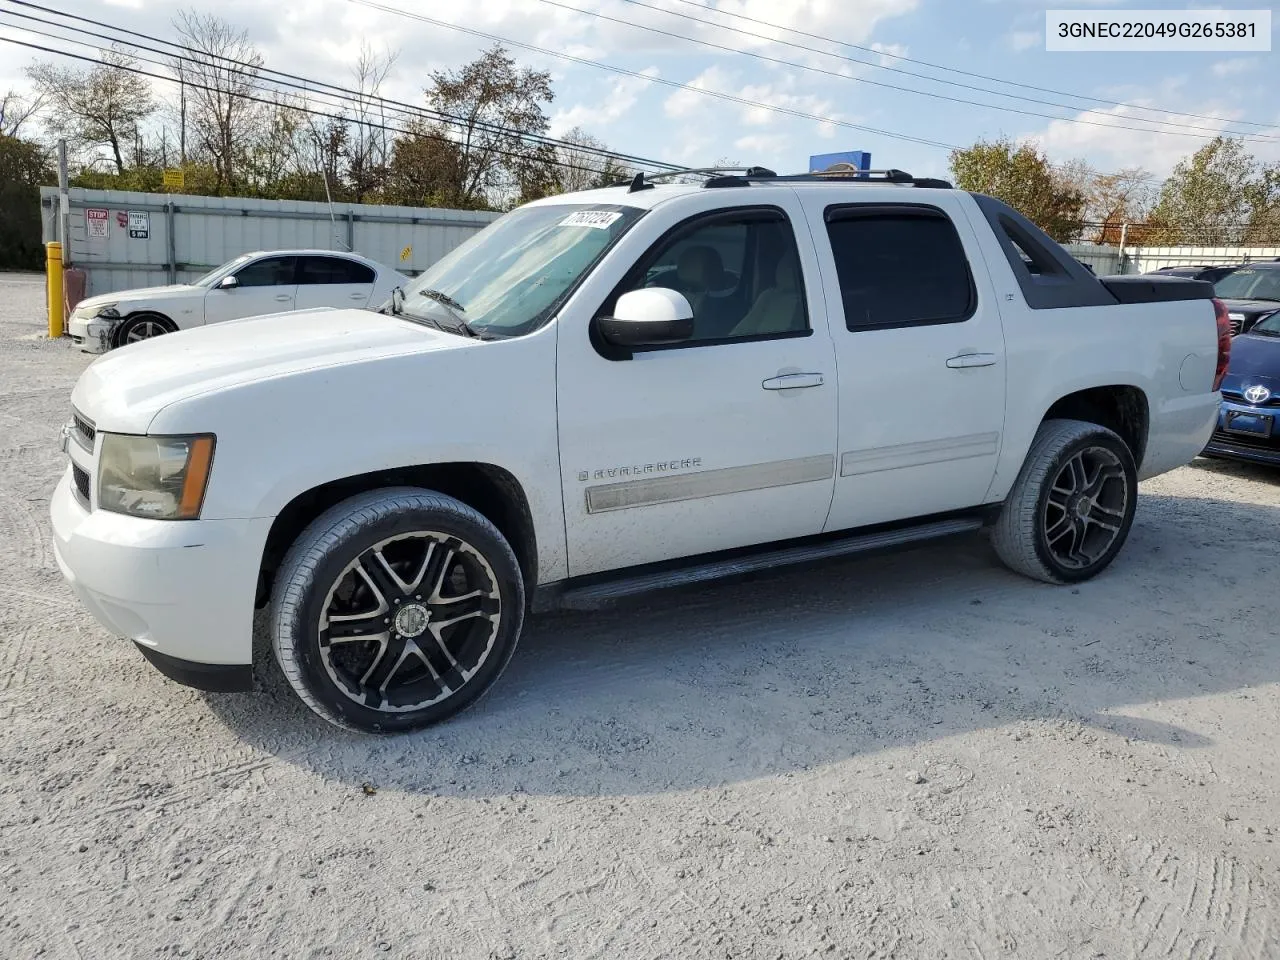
<point>647,317</point>
<point>228,283</point>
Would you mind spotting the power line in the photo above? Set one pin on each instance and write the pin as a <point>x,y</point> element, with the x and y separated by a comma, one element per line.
<point>356,96</point>
<point>622,71</point>
<point>938,66</point>
<point>795,65</point>
<point>256,99</point>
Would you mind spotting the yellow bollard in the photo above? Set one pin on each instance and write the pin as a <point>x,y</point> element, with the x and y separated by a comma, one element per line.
<point>53,281</point>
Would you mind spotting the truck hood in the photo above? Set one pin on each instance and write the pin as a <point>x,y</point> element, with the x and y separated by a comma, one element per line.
<point>123,391</point>
<point>1252,306</point>
<point>141,295</point>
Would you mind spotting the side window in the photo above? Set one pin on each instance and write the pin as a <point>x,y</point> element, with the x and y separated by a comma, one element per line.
<point>739,271</point>
<point>899,268</point>
<point>268,272</point>
<point>333,270</point>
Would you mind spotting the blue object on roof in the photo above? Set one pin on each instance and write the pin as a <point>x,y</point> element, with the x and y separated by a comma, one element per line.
<point>857,158</point>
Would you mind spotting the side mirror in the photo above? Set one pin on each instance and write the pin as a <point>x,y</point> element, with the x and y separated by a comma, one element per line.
<point>648,317</point>
<point>228,283</point>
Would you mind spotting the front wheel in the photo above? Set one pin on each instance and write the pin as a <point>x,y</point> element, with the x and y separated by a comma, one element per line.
<point>1071,508</point>
<point>143,326</point>
<point>396,609</point>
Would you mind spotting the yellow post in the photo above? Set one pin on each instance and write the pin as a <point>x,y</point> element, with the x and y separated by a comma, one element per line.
<point>53,281</point>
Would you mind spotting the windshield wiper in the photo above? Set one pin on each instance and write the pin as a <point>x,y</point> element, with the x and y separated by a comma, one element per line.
<point>456,310</point>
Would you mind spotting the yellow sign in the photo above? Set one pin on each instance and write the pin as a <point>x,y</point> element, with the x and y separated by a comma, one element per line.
<point>406,253</point>
<point>174,179</point>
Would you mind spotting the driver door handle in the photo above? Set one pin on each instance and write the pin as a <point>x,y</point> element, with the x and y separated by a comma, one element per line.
<point>972,360</point>
<point>793,381</point>
<point>283,297</point>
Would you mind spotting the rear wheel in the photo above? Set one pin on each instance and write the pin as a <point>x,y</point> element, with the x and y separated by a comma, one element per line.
<point>396,609</point>
<point>142,326</point>
<point>1071,508</point>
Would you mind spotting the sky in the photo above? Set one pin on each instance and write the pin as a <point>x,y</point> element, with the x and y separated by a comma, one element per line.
<point>700,93</point>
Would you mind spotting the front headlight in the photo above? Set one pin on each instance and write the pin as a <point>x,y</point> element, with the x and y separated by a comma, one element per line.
<point>107,311</point>
<point>162,478</point>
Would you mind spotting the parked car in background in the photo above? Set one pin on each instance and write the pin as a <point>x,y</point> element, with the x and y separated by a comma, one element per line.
<point>1211,273</point>
<point>252,284</point>
<point>1251,397</point>
<point>1250,292</point>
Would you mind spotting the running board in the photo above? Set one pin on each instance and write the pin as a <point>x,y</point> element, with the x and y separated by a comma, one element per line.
<point>597,595</point>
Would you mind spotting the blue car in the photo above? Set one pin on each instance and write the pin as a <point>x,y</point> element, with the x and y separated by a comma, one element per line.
<point>1247,428</point>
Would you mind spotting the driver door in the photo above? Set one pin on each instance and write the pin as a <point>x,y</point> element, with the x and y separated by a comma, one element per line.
<point>266,285</point>
<point>724,440</point>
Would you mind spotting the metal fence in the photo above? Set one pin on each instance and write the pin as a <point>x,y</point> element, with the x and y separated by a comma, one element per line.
<point>124,240</point>
<point>1111,260</point>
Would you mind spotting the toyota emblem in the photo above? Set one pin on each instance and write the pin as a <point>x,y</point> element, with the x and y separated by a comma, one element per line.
<point>1257,394</point>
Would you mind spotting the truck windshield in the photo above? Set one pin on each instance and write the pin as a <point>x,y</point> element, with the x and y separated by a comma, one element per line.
<point>1250,284</point>
<point>511,277</point>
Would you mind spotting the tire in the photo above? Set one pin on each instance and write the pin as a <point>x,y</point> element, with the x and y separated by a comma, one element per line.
<point>1060,524</point>
<point>142,326</point>
<point>396,609</point>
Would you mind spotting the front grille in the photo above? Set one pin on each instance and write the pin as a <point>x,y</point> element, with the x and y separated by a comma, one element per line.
<point>85,431</point>
<point>1235,396</point>
<point>1244,440</point>
<point>81,480</point>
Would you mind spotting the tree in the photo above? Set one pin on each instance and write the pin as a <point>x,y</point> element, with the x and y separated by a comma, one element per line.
<point>366,150</point>
<point>220,76</point>
<point>16,110</point>
<point>498,106</point>
<point>1263,229</point>
<point>24,166</point>
<point>1021,177</point>
<point>1211,195</point>
<point>425,167</point>
<point>99,106</point>
<point>581,163</point>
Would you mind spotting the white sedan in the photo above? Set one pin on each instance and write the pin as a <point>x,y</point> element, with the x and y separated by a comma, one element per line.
<point>252,284</point>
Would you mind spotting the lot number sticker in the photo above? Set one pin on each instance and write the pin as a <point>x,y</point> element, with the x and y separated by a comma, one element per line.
<point>95,222</point>
<point>139,224</point>
<point>600,219</point>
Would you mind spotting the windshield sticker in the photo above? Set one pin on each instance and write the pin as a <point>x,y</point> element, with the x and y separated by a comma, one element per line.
<point>600,219</point>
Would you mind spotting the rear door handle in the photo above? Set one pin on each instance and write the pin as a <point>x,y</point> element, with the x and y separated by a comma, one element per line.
<point>793,381</point>
<point>972,360</point>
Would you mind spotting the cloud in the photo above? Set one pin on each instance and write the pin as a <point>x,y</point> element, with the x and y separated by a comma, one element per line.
<point>1110,146</point>
<point>1231,68</point>
<point>622,96</point>
<point>1025,39</point>
<point>762,144</point>
<point>889,52</point>
<point>684,103</point>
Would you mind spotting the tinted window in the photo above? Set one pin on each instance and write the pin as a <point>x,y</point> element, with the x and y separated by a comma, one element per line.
<point>333,270</point>
<point>268,272</point>
<point>899,269</point>
<point>1250,283</point>
<point>740,273</point>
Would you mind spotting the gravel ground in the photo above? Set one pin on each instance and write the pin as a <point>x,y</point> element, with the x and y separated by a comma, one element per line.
<point>915,757</point>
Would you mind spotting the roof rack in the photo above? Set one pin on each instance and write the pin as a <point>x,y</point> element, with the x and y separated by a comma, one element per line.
<point>841,171</point>
<point>645,181</point>
<point>745,176</point>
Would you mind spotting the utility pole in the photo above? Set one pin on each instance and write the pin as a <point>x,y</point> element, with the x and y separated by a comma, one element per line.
<point>64,203</point>
<point>1124,233</point>
<point>182,116</point>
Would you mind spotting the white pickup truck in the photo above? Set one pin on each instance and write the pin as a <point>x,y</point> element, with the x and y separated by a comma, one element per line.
<point>616,391</point>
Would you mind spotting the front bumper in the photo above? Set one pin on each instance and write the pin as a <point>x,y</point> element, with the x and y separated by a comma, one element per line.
<point>182,590</point>
<point>90,335</point>
<point>1235,446</point>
